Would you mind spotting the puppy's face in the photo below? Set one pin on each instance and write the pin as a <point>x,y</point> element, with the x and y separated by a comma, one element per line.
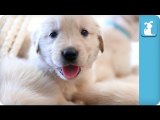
<point>68,44</point>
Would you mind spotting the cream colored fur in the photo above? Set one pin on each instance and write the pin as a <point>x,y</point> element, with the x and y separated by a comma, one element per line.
<point>95,68</point>
<point>22,83</point>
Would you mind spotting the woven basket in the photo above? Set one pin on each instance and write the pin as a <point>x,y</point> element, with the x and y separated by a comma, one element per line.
<point>13,31</point>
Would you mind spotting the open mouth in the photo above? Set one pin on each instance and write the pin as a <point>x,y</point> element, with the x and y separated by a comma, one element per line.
<point>70,71</point>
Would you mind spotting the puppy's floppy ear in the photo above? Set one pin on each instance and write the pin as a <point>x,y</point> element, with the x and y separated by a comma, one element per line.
<point>101,44</point>
<point>100,38</point>
<point>35,41</point>
<point>37,46</point>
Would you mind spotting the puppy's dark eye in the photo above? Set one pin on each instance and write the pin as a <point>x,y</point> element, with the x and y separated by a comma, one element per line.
<point>54,34</point>
<point>84,32</point>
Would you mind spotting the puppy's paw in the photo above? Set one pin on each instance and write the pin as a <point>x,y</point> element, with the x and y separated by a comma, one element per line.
<point>75,103</point>
<point>79,102</point>
<point>71,103</point>
<point>76,98</point>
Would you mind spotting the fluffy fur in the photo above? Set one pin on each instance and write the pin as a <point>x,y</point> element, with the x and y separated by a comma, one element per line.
<point>22,83</point>
<point>92,69</point>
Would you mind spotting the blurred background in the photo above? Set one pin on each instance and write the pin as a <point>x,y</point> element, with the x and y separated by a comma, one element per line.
<point>101,19</point>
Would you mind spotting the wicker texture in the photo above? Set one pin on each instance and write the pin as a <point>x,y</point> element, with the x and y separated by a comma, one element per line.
<point>13,30</point>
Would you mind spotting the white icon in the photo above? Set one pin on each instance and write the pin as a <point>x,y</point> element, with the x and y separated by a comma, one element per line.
<point>147,30</point>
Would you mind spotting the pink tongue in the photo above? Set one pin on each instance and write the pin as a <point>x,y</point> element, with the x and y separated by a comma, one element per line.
<point>70,71</point>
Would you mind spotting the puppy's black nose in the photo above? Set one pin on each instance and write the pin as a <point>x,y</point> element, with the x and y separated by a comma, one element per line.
<point>70,54</point>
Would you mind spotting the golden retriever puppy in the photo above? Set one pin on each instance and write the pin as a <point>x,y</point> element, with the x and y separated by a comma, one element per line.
<point>22,83</point>
<point>67,47</point>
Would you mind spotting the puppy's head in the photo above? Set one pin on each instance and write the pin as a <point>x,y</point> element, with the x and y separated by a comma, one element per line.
<point>68,44</point>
